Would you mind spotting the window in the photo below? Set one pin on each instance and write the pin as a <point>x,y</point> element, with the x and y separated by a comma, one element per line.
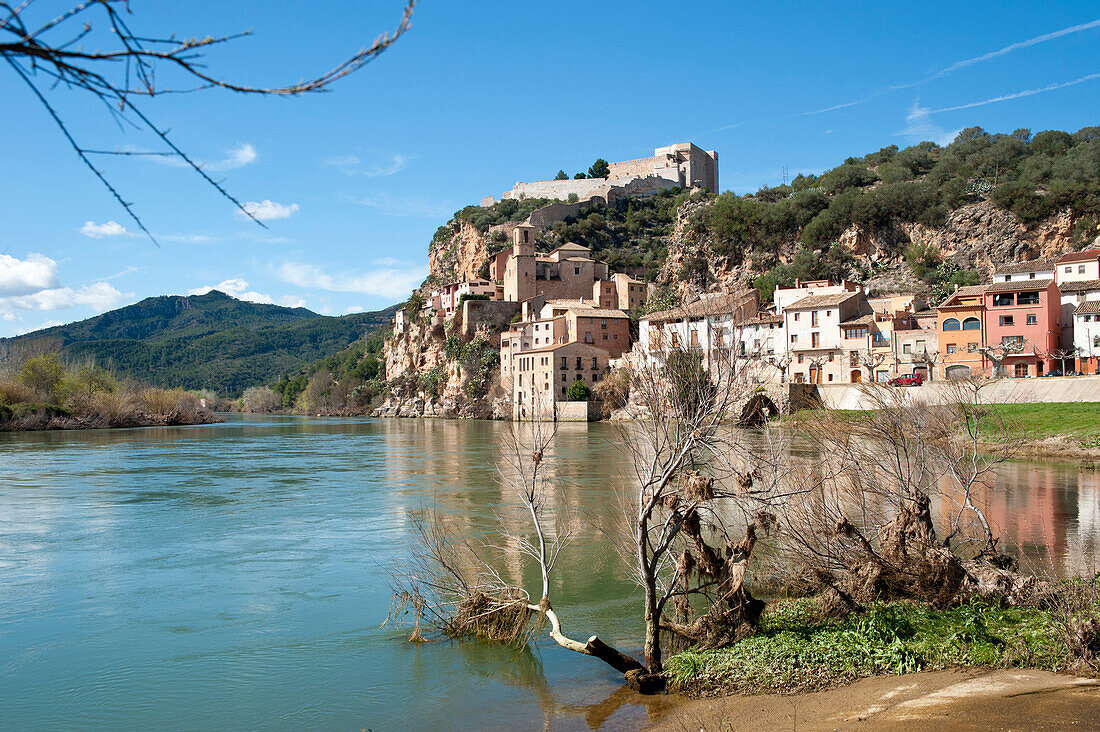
<point>830,377</point>
<point>855,332</point>
<point>813,319</point>
<point>588,337</point>
<point>951,324</point>
<point>579,364</point>
<point>972,324</point>
<point>594,366</point>
<point>603,325</point>
<point>920,345</point>
<point>1006,320</point>
<point>950,347</point>
<point>830,359</point>
<point>794,338</point>
<point>907,348</point>
<point>1088,318</point>
<point>800,358</point>
<point>1027,298</point>
<point>1096,341</point>
<point>1080,269</point>
<point>564,363</point>
<point>828,313</point>
<point>815,340</point>
<point>1069,269</point>
<point>853,359</point>
<point>1002,299</point>
<point>1033,320</point>
<point>564,378</point>
<point>576,270</point>
<point>1020,371</point>
<point>1031,276</point>
<point>796,316</point>
<point>1008,340</point>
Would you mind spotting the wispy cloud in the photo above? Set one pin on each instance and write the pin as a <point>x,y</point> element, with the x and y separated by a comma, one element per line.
<point>99,296</point>
<point>243,154</point>
<point>238,287</point>
<point>964,63</point>
<point>1015,47</point>
<point>378,166</point>
<point>268,210</point>
<point>920,127</point>
<point>1018,95</point>
<point>405,207</point>
<point>93,230</point>
<point>390,278</point>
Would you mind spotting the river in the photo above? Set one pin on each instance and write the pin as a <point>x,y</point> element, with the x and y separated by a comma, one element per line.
<point>237,576</point>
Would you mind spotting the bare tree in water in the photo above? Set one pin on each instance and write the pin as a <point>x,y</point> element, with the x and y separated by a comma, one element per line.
<point>455,586</point>
<point>46,49</point>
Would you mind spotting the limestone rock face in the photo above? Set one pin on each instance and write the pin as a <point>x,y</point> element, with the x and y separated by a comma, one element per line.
<point>464,256</point>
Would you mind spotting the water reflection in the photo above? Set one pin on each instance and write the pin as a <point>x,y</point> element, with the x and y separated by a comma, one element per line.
<point>235,576</point>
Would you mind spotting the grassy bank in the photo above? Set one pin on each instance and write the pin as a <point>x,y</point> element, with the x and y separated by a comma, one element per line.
<point>1067,430</point>
<point>797,650</point>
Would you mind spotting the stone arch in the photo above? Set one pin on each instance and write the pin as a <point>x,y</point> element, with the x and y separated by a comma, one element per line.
<point>960,371</point>
<point>757,410</point>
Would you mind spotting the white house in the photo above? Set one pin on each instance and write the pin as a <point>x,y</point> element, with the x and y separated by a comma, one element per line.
<point>1086,336</point>
<point>1036,269</point>
<point>1077,267</point>
<point>812,327</point>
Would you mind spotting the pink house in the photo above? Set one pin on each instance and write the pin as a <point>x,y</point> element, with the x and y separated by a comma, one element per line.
<point>1028,314</point>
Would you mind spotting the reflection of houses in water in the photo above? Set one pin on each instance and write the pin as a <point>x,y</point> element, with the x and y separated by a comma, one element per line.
<point>1050,514</point>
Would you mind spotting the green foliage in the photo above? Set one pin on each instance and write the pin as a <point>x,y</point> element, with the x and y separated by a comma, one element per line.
<point>599,169</point>
<point>467,296</point>
<point>578,392</point>
<point>431,380</point>
<point>796,649</point>
<point>835,263</point>
<point>501,212</point>
<point>561,175</point>
<point>43,375</point>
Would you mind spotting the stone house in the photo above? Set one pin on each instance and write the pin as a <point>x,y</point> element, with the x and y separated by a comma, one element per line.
<point>961,333</point>
<point>566,272</point>
<point>621,292</point>
<point>541,377</point>
<point>1028,313</point>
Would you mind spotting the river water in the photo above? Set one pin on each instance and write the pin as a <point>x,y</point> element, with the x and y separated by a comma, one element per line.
<point>237,576</point>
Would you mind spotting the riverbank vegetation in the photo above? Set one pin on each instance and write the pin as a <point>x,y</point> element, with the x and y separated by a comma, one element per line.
<point>876,526</point>
<point>46,393</point>
<point>798,647</point>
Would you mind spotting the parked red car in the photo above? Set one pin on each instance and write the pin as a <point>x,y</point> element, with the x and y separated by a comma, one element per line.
<point>907,380</point>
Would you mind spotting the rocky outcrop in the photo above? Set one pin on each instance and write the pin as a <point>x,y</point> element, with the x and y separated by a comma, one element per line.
<point>464,255</point>
<point>982,235</point>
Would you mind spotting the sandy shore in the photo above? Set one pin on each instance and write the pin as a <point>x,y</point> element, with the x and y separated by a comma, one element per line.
<point>966,699</point>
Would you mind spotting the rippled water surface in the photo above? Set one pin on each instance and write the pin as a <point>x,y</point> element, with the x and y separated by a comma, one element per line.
<point>236,576</point>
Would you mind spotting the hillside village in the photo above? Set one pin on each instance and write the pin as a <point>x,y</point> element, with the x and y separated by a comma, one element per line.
<point>562,321</point>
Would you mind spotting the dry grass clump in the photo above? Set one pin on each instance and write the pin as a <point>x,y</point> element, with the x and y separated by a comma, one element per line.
<point>501,618</point>
<point>160,401</point>
<point>14,392</point>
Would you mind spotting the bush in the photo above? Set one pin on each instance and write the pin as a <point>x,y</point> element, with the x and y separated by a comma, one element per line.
<point>578,392</point>
<point>161,401</point>
<point>260,399</point>
<point>43,375</point>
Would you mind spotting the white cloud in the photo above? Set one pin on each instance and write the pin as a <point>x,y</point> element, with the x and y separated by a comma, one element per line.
<point>98,296</point>
<point>267,210</point>
<point>354,309</point>
<point>238,288</point>
<point>412,206</point>
<point>920,127</point>
<point>97,231</point>
<point>186,238</point>
<point>25,276</point>
<point>390,279</point>
<point>380,165</point>
<point>238,157</point>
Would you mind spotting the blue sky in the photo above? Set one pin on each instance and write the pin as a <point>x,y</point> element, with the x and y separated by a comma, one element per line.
<point>476,96</point>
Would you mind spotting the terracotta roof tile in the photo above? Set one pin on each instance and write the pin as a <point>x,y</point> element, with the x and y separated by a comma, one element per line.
<point>714,305</point>
<point>822,301</point>
<point>1088,306</point>
<point>1017,286</point>
<point>1084,256</point>
<point>1080,286</point>
<point>1035,265</point>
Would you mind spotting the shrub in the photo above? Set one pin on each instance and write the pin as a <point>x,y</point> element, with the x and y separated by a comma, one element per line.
<point>578,392</point>
<point>43,375</point>
<point>260,399</point>
<point>161,401</point>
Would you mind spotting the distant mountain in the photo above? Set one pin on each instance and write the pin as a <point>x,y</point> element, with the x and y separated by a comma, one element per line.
<point>210,341</point>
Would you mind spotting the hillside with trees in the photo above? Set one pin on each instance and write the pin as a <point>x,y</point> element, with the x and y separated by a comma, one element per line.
<point>210,341</point>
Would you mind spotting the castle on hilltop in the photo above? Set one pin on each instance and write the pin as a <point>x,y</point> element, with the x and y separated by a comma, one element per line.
<point>683,165</point>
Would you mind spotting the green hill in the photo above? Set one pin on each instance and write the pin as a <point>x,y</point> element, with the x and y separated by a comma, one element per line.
<point>210,341</point>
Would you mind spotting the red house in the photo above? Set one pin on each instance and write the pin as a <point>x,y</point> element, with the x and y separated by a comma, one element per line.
<point>1024,319</point>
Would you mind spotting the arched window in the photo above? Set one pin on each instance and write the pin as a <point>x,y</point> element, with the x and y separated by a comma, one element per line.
<point>970,324</point>
<point>951,324</point>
